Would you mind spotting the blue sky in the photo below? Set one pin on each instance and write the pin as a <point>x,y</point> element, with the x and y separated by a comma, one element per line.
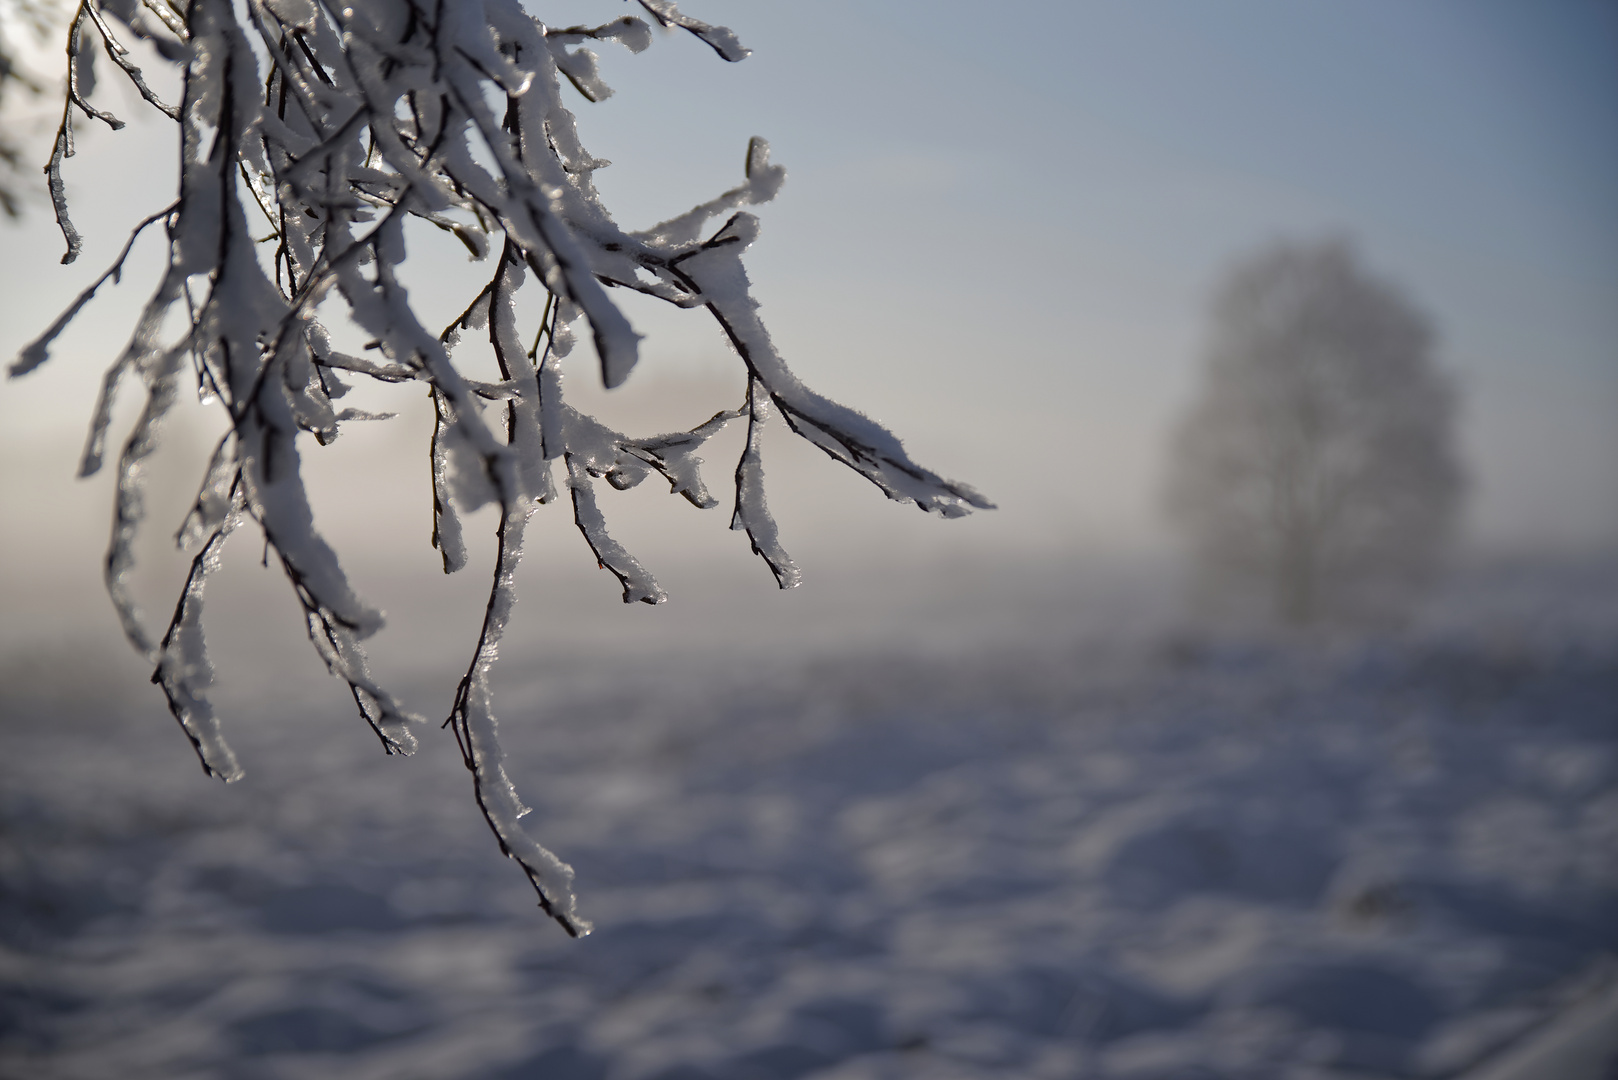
<point>1002,224</point>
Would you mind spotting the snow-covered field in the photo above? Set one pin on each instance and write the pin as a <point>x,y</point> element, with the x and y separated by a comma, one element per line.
<point>1118,851</point>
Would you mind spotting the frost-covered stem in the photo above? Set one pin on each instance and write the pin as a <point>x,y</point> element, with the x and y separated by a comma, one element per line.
<point>446,522</point>
<point>120,56</point>
<point>752,514</point>
<point>62,148</point>
<point>169,17</point>
<point>183,671</point>
<point>639,586</point>
<point>37,351</point>
<point>528,217</point>
<point>477,735</point>
<point>129,507</point>
<point>714,270</point>
<point>75,43</point>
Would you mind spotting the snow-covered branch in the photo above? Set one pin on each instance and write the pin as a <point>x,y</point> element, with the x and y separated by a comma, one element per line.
<point>331,126</point>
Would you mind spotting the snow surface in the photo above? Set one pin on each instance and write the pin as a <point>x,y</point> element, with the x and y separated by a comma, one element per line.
<point>1141,854</point>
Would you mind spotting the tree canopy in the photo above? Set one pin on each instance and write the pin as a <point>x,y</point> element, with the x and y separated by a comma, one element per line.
<point>1316,470</point>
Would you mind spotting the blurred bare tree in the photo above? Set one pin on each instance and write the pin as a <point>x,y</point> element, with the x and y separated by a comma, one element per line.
<point>1315,476</point>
